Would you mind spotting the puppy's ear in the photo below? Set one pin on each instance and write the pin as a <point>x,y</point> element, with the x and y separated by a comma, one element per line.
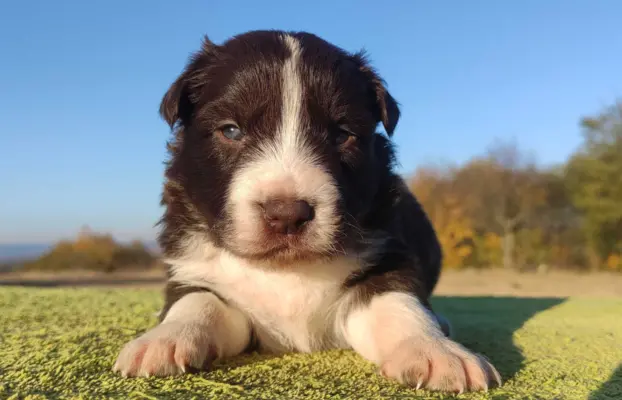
<point>179,102</point>
<point>386,107</point>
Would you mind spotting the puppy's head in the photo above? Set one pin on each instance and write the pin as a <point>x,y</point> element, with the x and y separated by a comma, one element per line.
<point>275,155</point>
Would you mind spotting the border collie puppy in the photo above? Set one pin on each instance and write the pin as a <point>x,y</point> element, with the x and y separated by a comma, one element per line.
<point>285,226</point>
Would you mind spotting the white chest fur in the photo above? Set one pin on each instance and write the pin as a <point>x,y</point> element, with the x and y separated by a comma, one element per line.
<point>290,309</point>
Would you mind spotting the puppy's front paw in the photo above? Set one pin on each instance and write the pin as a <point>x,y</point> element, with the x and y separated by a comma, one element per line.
<point>440,365</point>
<point>168,349</point>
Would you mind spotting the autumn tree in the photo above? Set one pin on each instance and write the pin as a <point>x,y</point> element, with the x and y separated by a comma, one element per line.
<point>502,191</point>
<point>435,191</point>
<point>93,251</point>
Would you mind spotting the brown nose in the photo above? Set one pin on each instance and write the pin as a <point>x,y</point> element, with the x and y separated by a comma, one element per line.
<point>287,216</point>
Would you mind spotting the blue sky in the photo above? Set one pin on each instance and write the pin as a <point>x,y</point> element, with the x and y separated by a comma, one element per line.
<point>80,83</point>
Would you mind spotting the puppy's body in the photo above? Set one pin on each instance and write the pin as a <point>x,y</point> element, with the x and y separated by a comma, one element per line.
<point>286,228</point>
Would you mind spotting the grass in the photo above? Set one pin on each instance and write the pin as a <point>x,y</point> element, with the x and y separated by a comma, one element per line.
<point>61,343</point>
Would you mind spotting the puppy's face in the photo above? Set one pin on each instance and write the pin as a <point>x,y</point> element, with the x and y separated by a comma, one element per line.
<point>276,155</point>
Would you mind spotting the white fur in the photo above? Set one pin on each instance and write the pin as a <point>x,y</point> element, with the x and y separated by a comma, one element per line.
<point>290,309</point>
<point>284,167</point>
<point>390,318</point>
<point>292,102</point>
<point>396,332</point>
<point>197,327</point>
<point>300,309</point>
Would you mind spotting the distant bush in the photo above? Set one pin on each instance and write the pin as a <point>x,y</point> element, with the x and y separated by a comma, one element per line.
<point>95,252</point>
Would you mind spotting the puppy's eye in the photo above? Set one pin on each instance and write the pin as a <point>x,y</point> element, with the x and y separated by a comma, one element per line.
<point>231,132</point>
<point>344,138</point>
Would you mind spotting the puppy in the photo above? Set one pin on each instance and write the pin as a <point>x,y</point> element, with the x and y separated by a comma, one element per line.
<point>285,226</point>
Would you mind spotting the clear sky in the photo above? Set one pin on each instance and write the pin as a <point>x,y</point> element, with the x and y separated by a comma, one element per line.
<point>80,84</point>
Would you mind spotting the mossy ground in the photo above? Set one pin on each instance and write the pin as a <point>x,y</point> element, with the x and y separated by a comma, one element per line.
<point>61,343</point>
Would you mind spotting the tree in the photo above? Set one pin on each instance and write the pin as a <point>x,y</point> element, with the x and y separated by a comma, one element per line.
<point>503,191</point>
<point>594,178</point>
<point>559,222</point>
<point>435,191</point>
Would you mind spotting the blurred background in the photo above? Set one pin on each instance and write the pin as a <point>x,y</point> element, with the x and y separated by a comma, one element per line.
<point>511,129</point>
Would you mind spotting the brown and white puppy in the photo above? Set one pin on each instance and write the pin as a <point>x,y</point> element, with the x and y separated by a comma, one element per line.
<point>286,228</point>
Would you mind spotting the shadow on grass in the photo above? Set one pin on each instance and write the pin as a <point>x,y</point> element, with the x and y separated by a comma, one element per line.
<point>487,324</point>
<point>612,389</point>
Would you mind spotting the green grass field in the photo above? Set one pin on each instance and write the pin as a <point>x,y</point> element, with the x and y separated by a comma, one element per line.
<point>62,343</point>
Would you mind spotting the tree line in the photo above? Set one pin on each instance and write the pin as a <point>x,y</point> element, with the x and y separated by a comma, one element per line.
<point>502,209</point>
<point>95,252</point>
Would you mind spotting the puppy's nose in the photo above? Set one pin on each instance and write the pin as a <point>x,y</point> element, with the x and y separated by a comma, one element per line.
<point>287,216</point>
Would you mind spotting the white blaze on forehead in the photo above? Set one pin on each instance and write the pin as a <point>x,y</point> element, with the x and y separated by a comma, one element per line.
<point>289,150</point>
<point>289,135</point>
<point>285,166</point>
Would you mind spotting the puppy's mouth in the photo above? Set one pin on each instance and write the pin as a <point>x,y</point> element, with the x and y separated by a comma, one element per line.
<point>282,247</point>
<point>281,254</point>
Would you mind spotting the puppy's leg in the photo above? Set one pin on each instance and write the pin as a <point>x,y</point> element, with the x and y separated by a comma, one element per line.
<point>398,333</point>
<point>195,330</point>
